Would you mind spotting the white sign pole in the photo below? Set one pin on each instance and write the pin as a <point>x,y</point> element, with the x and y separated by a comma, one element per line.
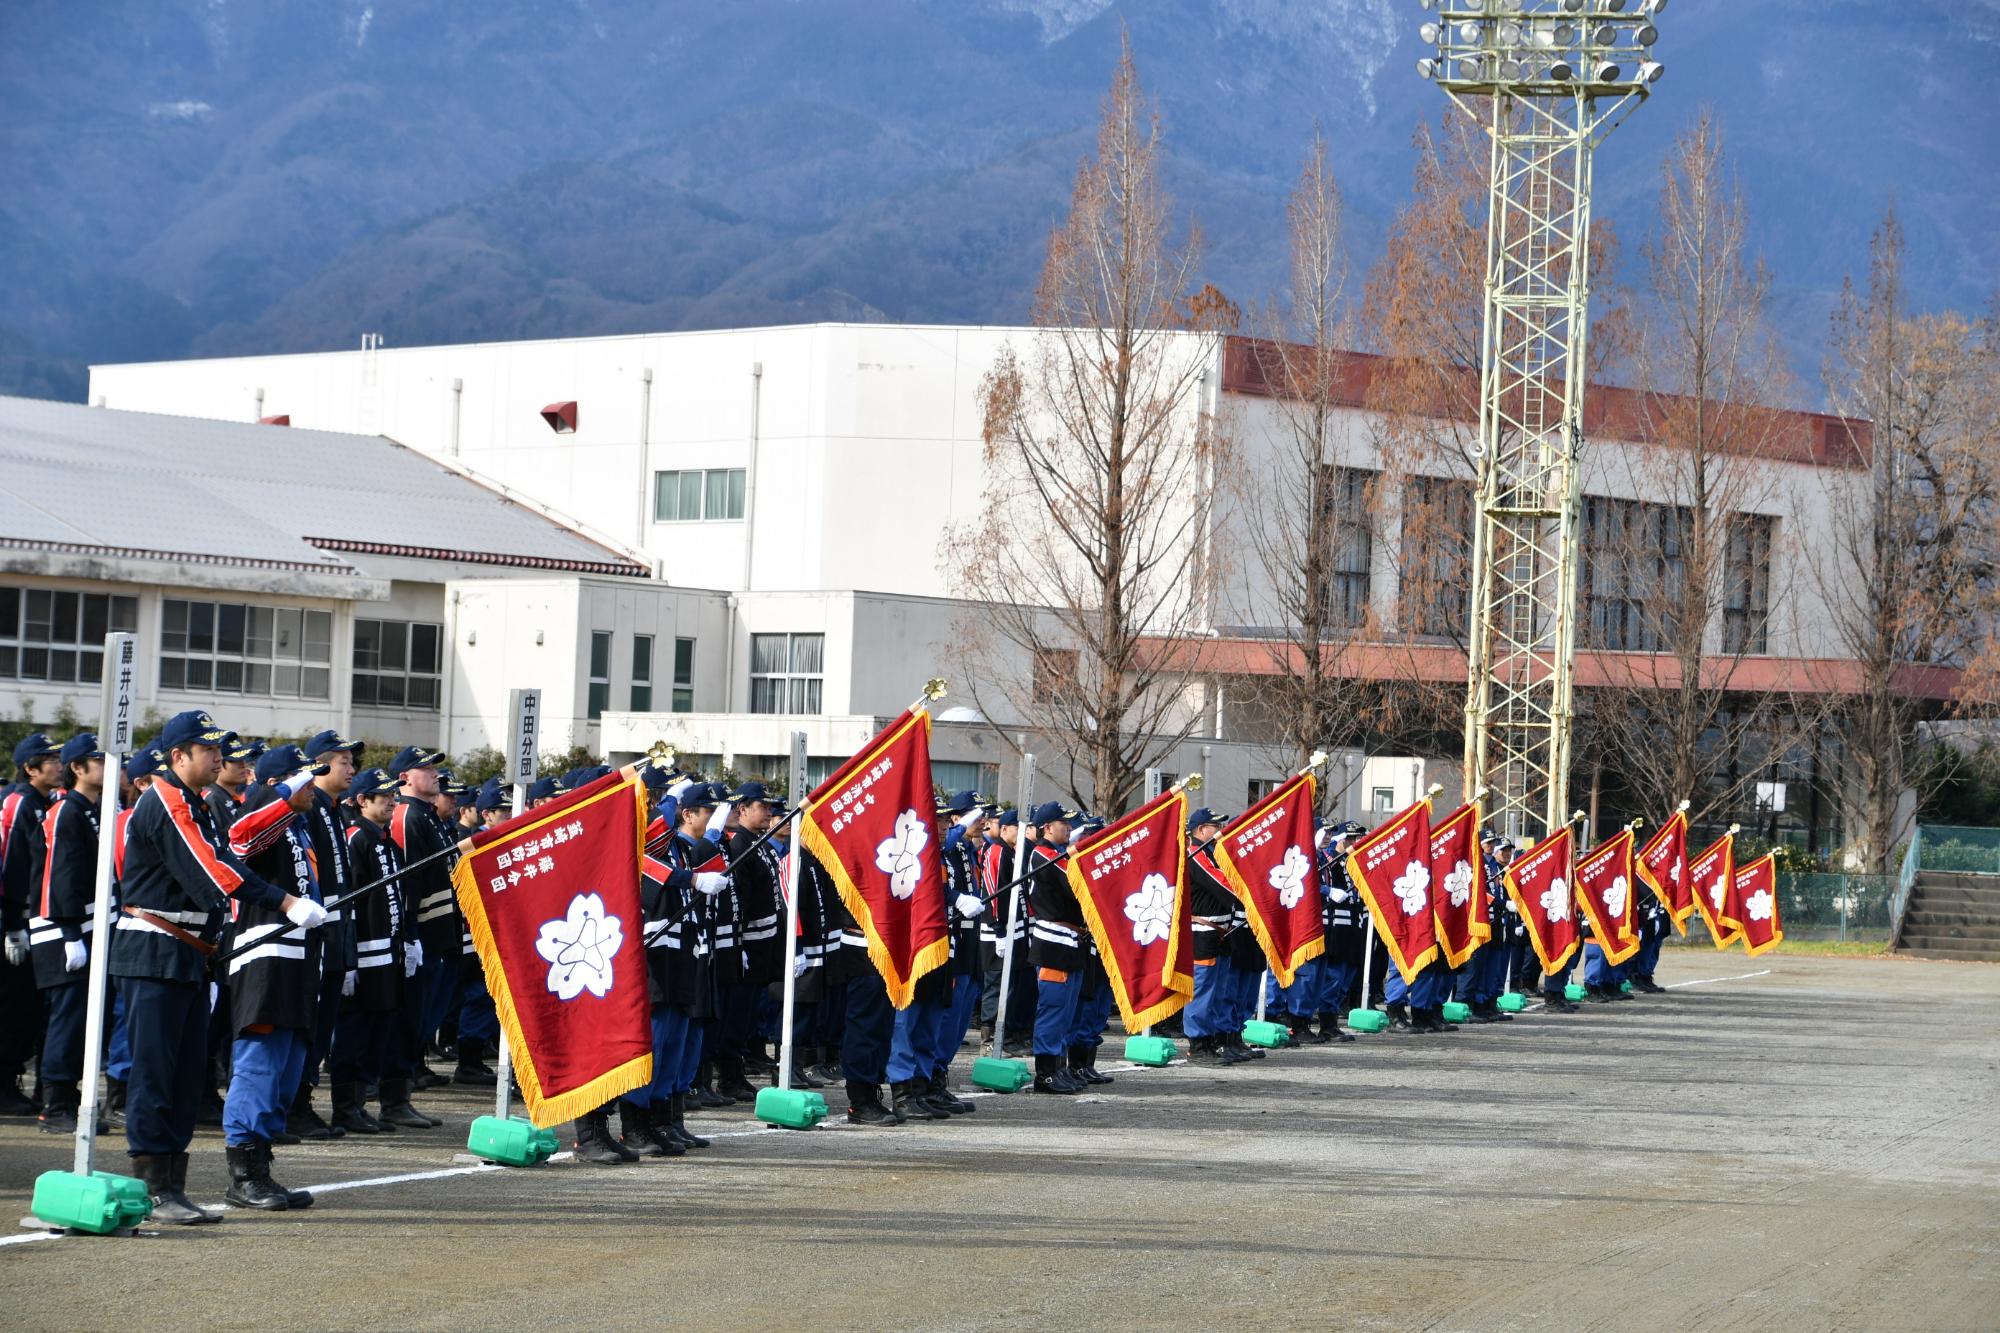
<point>523,754</point>
<point>797,790</point>
<point>1025,803</point>
<point>114,737</point>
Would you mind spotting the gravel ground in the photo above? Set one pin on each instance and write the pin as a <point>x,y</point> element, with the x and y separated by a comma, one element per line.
<point>1814,1146</point>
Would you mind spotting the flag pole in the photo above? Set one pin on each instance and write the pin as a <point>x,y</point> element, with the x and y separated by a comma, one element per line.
<point>1025,792</point>
<point>791,980</point>
<point>115,738</point>
<point>503,1086</point>
<point>1264,983</point>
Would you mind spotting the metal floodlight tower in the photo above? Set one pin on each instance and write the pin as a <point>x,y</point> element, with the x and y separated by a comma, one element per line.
<point>1548,80</point>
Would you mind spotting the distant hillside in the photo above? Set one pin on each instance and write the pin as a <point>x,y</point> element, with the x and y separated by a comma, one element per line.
<point>222,176</point>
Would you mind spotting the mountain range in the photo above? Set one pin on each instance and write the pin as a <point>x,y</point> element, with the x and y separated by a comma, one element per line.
<point>209,177</point>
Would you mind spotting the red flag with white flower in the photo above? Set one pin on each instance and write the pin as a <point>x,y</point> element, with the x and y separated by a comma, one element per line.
<point>1391,868</point>
<point>1458,869</point>
<point>1268,861</point>
<point>1604,886</point>
<point>1663,864</point>
<point>1130,880</point>
<point>1711,876</point>
<point>873,827</point>
<point>1539,883</point>
<point>551,897</point>
<point>1754,903</point>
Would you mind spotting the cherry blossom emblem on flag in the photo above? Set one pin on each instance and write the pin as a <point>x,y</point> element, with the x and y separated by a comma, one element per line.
<point>1266,857</point>
<point>1710,877</point>
<point>580,947</point>
<point>1540,883</point>
<point>1757,893</point>
<point>1392,869</point>
<point>1663,864</point>
<point>1458,867</point>
<point>1129,881</point>
<point>1604,888</point>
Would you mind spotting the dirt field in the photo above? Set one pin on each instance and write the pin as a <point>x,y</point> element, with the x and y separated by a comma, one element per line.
<point>1817,1146</point>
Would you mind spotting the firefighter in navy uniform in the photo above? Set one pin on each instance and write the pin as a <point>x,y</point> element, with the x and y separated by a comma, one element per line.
<point>326,827</point>
<point>224,796</point>
<point>1056,937</point>
<point>367,1029</point>
<point>1209,1019</point>
<point>179,879</point>
<point>1342,916</point>
<point>59,932</point>
<point>274,978</point>
<point>427,896</point>
<point>966,906</point>
<point>868,1026</point>
<point>1485,973</point>
<point>997,867</point>
<point>760,954</point>
<point>22,809</point>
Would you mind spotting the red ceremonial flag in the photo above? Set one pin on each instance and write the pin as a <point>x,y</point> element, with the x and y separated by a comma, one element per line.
<point>1663,864</point>
<point>1129,879</point>
<point>551,897</point>
<point>1392,869</point>
<point>1539,883</point>
<point>1710,877</point>
<point>1604,886</point>
<point>1755,900</point>
<point>1268,861</point>
<point>873,826</point>
<point>1458,868</point>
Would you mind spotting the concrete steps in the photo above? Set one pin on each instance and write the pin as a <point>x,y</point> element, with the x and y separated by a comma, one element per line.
<point>1953,916</point>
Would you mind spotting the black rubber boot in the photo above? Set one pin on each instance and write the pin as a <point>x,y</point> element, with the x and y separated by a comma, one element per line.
<point>349,1115</point>
<point>296,1198</point>
<point>1329,1027</point>
<point>1399,1017</point>
<point>1049,1076</point>
<point>1080,1071</point>
<point>911,1103</point>
<point>249,1185</point>
<point>704,1093</point>
<point>730,1080</point>
<point>677,1112</point>
<point>60,1103</point>
<point>396,1107</point>
<point>594,1143</point>
<point>943,1095</point>
<point>802,1074</point>
<point>633,1130</point>
<point>171,1208</point>
<point>864,1106</point>
<point>178,1165</point>
<point>302,1120</point>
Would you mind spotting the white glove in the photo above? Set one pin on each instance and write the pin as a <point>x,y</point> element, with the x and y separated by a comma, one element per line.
<point>710,882</point>
<point>17,948</point>
<point>305,912</point>
<point>799,966</point>
<point>347,983</point>
<point>718,823</point>
<point>413,957</point>
<point>1339,896</point>
<point>297,782</point>
<point>971,817</point>
<point>75,956</point>
<point>1513,907</point>
<point>680,788</point>
<point>969,906</point>
<point>1001,948</point>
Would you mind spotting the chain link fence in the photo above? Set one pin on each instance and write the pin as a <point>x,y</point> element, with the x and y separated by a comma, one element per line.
<point>1947,847</point>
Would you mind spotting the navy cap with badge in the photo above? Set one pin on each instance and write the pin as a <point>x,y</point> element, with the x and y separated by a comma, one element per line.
<point>372,782</point>
<point>542,789</point>
<point>241,750</point>
<point>959,803</point>
<point>1203,815</point>
<point>281,761</point>
<point>35,747</point>
<point>704,796</point>
<point>1010,818</point>
<point>492,796</point>
<point>750,791</point>
<point>194,727</point>
<point>1051,812</point>
<point>331,739</point>
<point>414,756</point>
<point>81,747</point>
<point>146,763</point>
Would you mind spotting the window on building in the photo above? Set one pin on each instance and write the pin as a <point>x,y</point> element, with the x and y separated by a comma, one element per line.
<point>58,636</point>
<point>1384,800</point>
<point>785,672</point>
<point>1435,592</point>
<point>1746,606</point>
<point>1054,678</point>
<point>1633,574</point>
<point>642,673</point>
<point>694,496</point>
<point>398,664</point>
<point>231,648</point>
<point>683,675</point>
<point>600,673</point>
<point>952,775</point>
<point>1345,502</point>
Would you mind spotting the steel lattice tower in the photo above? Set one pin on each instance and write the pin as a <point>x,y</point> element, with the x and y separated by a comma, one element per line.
<point>1547,80</point>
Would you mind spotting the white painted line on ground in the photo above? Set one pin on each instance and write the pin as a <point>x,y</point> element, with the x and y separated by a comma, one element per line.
<point>339,1185</point>
<point>27,1236</point>
<point>1710,981</point>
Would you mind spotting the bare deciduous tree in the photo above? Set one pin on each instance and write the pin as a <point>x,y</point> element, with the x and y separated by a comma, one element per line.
<point>1089,554</point>
<point>1914,550</point>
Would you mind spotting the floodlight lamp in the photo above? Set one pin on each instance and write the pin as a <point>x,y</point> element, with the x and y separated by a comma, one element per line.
<point>1610,6</point>
<point>1650,71</point>
<point>1606,72</point>
<point>1468,67</point>
<point>1510,33</point>
<point>1645,34</point>
<point>1513,71</point>
<point>1430,32</point>
<point>1427,3</point>
<point>1603,35</point>
<point>1561,70</point>
<point>1469,32</point>
<point>1427,68</point>
<point>1565,34</point>
<point>1651,6</point>
<point>1572,6</point>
